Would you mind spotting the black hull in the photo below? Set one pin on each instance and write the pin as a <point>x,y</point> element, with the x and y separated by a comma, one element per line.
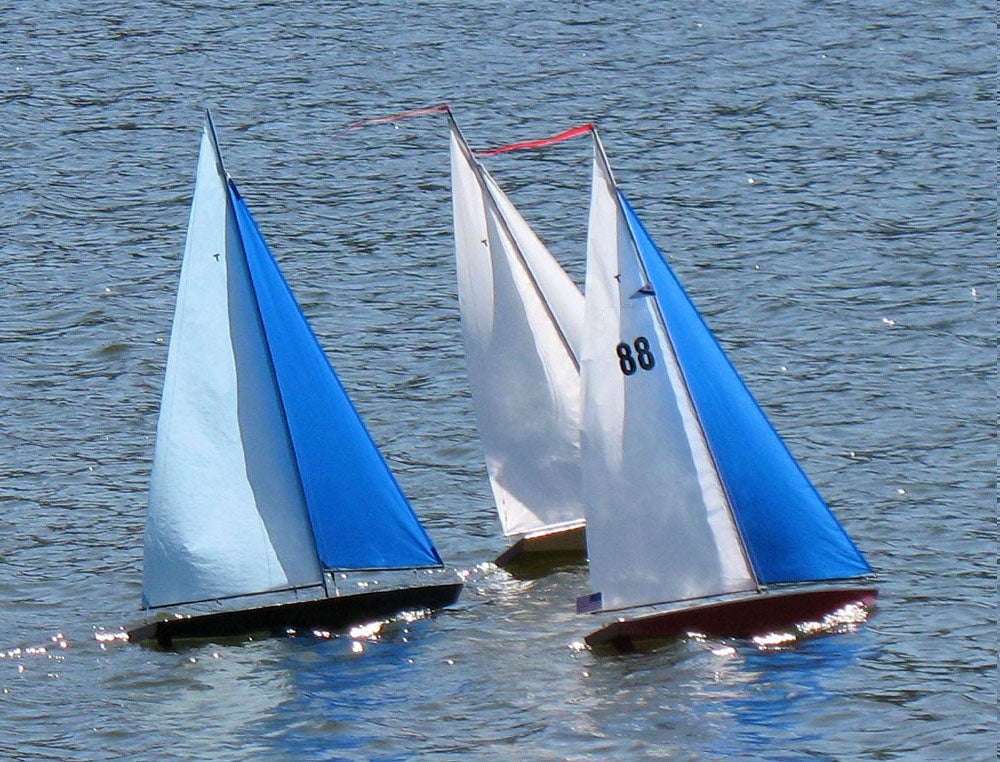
<point>329,614</point>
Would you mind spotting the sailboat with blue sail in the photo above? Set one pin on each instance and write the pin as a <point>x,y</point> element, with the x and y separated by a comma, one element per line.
<point>522,326</point>
<point>268,494</point>
<point>699,519</point>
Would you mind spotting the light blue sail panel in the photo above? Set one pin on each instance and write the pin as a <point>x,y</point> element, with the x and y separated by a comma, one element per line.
<point>789,532</point>
<point>360,517</point>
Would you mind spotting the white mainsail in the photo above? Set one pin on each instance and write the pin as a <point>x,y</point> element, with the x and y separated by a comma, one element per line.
<point>522,320</point>
<point>659,527</point>
<point>226,510</point>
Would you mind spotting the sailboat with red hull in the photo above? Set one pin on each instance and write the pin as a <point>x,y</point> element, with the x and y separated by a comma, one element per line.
<point>699,519</point>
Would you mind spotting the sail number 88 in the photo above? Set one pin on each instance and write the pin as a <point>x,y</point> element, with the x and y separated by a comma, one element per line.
<point>643,357</point>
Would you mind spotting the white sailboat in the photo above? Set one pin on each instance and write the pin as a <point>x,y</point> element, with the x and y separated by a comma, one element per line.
<point>698,517</point>
<point>266,485</point>
<point>522,325</point>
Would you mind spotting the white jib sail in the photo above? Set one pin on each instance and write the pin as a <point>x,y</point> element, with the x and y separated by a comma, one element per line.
<point>658,525</point>
<point>522,319</point>
<point>226,513</point>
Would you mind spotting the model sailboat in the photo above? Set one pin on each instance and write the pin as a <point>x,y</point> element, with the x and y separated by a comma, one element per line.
<point>698,517</point>
<point>522,324</point>
<point>266,485</point>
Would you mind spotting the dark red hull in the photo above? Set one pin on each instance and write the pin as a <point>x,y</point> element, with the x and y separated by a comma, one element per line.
<point>330,614</point>
<point>739,618</point>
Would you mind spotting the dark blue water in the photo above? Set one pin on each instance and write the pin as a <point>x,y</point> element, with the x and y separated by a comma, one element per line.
<point>821,175</point>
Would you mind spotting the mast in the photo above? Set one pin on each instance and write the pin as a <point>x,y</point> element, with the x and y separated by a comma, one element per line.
<point>214,138</point>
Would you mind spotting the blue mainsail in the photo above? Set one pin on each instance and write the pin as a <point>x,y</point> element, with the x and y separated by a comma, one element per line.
<point>359,515</point>
<point>789,533</point>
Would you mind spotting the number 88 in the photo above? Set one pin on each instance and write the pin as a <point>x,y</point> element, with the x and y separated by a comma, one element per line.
<point>643,356</point>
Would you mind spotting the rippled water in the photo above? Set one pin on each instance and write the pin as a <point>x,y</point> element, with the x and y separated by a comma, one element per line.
<point>852,282</point>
